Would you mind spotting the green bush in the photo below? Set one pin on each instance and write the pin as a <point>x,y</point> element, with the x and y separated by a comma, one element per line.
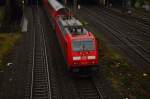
<point>139,3</point>
<point>7,43</point>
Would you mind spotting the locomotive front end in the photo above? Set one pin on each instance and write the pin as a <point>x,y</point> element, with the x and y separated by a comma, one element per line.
<point>84,55</point>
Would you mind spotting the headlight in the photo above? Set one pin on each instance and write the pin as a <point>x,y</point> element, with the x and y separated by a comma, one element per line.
<point>77,58</point>
<point>91,57</point>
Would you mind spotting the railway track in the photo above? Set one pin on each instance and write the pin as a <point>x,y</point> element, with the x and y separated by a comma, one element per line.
<point>133,25</point>
<point>61,84</point>
<point>49,79</point>
<point>40,82</point>
<point>117,37</point>
<point>115,30</point>
<point>70,88</point>
<point>142,17</point>
<point>131,41</point>
<point>87,89</point>
<point>137,17</point>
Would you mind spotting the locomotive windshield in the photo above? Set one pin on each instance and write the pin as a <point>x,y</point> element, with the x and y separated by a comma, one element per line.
<point>86,45</point>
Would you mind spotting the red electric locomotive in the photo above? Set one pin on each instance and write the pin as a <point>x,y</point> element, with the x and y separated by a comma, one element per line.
<point>78,45</point>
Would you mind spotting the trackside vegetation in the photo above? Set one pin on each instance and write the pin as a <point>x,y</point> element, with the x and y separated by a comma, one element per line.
<point>127,80</point>
<point>7,42</point>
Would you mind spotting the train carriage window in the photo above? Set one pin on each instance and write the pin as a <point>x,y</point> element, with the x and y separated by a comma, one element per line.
<point>86,45</point>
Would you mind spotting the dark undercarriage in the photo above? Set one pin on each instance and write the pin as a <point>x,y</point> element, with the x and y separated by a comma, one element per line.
<point>83,71</point>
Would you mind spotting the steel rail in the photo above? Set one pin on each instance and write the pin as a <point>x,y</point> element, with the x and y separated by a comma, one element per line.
<point>40,74</point>
<point>33,57</point>
<point>45,50</point>
<point>98,91</point>
<point>87,89</point>
<point>125,40</point>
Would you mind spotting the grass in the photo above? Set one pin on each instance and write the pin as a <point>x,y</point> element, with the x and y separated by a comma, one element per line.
<point>141,12</point>
<point>7,42</point>
<point>127,80</point>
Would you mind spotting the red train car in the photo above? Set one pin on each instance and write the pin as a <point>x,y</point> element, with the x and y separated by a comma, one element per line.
<point>78,45</point>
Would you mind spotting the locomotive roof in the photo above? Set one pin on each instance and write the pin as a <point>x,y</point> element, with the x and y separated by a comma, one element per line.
<point>72,25</point>
<point>56,5</point>
<point>66,21</point>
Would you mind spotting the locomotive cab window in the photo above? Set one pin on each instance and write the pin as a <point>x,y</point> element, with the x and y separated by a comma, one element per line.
<point>85,45</point>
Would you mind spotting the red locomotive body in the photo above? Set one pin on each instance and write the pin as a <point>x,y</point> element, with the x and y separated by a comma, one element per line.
<point>78,45</point>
